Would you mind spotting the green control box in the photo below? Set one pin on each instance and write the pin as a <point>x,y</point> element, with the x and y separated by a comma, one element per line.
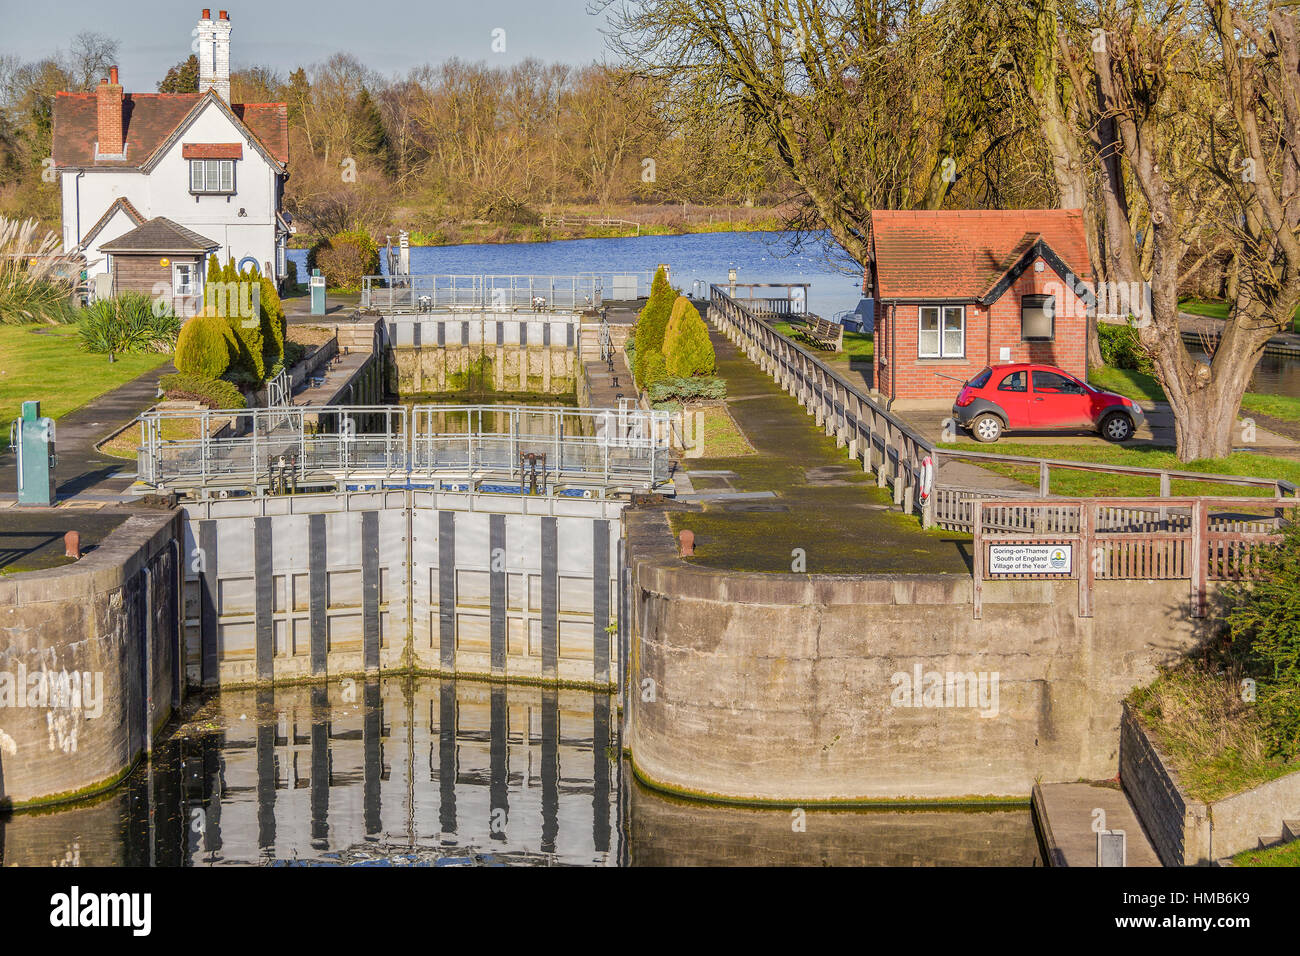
<point>32,438</point>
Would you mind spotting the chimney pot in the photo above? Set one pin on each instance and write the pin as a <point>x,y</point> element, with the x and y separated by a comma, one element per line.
<point>207,13</point>
<point>108,109</point>
<point>222,15</point>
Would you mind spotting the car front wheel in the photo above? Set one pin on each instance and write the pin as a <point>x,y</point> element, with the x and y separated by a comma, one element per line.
<point>986,428</point>
<point>1116,427</point>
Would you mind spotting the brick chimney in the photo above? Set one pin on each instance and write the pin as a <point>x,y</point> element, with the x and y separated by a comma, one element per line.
<point>214,53</point>
<point>108,97</point>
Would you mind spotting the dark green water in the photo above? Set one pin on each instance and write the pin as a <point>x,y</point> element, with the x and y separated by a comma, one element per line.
<point>422,771</point>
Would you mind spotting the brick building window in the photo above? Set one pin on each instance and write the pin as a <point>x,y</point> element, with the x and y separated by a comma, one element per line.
<point>942,332</point>
<point>1037,318</point>
<point>212,176</point>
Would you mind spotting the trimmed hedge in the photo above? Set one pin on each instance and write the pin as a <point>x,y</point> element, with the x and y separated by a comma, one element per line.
<point>684,389</point>
<point>204,347</point>
<point>212,392</point>
<point>687,349</point>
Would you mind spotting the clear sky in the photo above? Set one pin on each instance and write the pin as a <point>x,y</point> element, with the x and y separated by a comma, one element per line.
<point>387,37</point>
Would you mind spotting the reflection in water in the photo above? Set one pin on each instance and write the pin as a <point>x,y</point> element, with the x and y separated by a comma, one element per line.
<point>437,772</point>
<point>1274,375</point>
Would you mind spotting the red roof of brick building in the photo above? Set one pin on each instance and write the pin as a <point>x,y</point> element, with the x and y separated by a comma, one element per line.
<point>150,119</point>
<point>964,254</point>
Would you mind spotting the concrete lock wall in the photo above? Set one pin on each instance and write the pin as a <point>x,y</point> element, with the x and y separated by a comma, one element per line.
<point>793,688</point>
<point>504,352</point>
<point>1186,831</point>
<point>89,666</point>
<point>308,586</point>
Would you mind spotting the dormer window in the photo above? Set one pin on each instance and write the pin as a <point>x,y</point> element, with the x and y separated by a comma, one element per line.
<point>212,176</point>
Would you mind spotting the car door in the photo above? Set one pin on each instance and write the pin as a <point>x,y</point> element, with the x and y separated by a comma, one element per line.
<point>1012,393</point>
<point>1058,401</point>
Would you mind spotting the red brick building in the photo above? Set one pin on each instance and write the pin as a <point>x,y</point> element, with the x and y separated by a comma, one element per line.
<point>955,291</point>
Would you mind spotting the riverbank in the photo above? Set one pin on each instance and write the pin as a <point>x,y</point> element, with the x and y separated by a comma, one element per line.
<point>580,222</point>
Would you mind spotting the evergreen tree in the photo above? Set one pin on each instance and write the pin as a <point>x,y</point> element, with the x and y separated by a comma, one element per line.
<point>652,323</point>
<point>687,349</point>
<point>182,78</point>
<point>371,135</point>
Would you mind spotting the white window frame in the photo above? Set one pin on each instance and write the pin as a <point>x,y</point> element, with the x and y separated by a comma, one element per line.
<point>189,288</point>
<point>943,311</point>
<point>222,171</point>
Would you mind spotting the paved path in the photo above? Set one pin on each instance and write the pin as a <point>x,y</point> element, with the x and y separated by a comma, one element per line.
<point>1066,812</point>
<point>825,505</point>
<point>1206,324</point>
<point>1157,431</point>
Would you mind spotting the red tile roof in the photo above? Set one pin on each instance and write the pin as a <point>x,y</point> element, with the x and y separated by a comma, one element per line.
<point>963,254</point>
<point>212,150</point>
<point>151,118</point>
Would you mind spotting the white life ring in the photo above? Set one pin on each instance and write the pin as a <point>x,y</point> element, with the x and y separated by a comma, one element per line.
<point>927,476</point>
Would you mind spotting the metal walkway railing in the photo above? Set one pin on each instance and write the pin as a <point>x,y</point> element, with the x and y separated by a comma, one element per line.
<point>536,447</point>
<point>433,293</point>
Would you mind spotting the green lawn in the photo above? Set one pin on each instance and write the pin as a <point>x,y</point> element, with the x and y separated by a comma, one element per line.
<point>1219,310</point>
<point>1144,388</point>
<point>51,368</point>
<point>1090,484</point>
<point>858,346</point>
<point>1286,855</point>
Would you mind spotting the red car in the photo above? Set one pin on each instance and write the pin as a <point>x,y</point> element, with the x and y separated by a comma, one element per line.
<point>1040,397</point>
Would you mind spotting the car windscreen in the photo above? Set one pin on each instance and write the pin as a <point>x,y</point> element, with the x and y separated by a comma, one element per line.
<point>981,378</point>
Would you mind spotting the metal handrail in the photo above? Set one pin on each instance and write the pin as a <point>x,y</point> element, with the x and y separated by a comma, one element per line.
<point>439,292</point>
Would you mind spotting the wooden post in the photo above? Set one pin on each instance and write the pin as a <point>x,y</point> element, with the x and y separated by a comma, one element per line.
<point>1200,555</point>
<point>1044,480</point>
<point>1087,573</point>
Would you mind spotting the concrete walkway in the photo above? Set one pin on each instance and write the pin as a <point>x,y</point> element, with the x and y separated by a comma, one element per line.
<point>826,515</point>
<point>1066,813</point>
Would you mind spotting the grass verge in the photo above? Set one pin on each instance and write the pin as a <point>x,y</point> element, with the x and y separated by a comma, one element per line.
<point>1285,855</point>
<point>1213,738</point>
<point>1219,310</point>
<point>49,365</point>
<point>1144,388</point>
<point>1094,484</point>
<point>858,346</point>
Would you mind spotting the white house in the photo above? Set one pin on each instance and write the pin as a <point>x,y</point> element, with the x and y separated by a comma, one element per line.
<point>190,165</point>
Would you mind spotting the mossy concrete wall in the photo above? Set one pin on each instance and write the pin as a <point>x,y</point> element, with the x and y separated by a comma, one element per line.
<point>111,619</point>
<point>789,687</point>
<point>494,368</point>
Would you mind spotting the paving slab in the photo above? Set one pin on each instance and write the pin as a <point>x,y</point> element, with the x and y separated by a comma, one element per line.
<point>1066,813</point>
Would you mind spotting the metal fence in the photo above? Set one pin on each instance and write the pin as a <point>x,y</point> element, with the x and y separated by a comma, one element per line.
<point>610,446</point>
<point>333,445</point>
<point>435,293</point>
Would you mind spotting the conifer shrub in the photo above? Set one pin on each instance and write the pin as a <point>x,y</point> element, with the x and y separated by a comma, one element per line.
<point>203,347</point>
<point>687,349</point>
<point>652,323</point>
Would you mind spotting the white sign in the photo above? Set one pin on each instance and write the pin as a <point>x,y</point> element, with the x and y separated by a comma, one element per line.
<point>1030,558</point>
<point>318,281</point>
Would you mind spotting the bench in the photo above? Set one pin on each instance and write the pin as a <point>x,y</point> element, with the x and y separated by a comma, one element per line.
<point>822,333</point>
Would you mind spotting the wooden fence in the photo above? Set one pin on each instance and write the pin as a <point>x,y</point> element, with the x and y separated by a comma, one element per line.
<point>892,449</point>
<point>1197,539</point>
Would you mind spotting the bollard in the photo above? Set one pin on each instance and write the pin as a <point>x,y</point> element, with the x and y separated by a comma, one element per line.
<point>72,546</point>
<point>687,540</point>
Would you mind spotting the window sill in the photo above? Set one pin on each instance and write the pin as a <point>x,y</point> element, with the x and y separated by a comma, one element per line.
<point>206,192</point>
<point>946,360</point>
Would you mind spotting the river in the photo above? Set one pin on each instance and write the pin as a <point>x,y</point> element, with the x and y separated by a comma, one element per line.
<point>835,285</point>
<point>405,771</point>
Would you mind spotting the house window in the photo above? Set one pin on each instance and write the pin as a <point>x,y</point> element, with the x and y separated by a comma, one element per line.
<point>1037,318</point>
<point>183,279</point>
<point>942,332</point>
<point>212,175</point>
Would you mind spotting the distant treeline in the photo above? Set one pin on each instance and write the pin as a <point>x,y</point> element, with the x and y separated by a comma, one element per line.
<point>444,148</point>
